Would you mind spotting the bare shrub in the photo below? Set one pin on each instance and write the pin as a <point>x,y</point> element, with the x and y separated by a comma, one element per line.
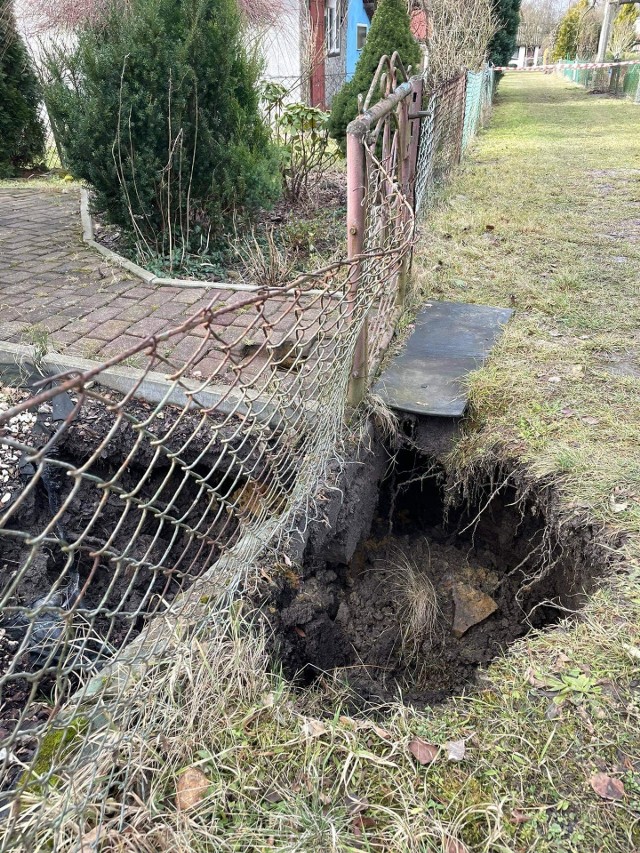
<point>71,14</point>
<point>462,30</point>
<point>263,261</point>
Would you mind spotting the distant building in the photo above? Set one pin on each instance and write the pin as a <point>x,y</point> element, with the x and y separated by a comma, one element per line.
<point>528,47</point>
<point>422,29</point>
<point>314,46</point>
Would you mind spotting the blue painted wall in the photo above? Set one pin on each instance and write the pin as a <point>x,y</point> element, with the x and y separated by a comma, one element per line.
<point>355,15</point>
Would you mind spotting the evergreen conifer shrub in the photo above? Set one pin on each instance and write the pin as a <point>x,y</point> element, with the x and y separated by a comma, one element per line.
<point>571,31</point>
<point>158,108</point>
<point>503,43</point>
<point>21,131</point>
<point>390,31</point>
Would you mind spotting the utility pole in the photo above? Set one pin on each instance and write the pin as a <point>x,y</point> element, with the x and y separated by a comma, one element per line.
<point>611,9</point>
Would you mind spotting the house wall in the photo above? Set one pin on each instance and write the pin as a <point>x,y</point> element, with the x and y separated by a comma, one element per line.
<point>356,15</point>
<point>336,65</point>
<point>315,60</point>
<point>281,47</point>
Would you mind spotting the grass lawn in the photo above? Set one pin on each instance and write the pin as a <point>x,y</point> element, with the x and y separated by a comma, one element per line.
<point>545,218</point>
<point>545,755</point>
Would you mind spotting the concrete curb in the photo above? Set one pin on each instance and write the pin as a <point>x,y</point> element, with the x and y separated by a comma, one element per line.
<point>150,386</point>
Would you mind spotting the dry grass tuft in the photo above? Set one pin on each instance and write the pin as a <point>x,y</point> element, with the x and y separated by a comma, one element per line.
<point>419,611</point>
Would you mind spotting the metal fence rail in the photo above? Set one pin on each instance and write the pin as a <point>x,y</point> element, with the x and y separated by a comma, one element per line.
<point>127,527</point>
<point>455,112</point>
<point>621,80</point>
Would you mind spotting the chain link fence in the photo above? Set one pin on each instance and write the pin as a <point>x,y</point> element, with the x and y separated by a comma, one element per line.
<point>455,111</point>
<point>140,497</point>
<point>618,80</point>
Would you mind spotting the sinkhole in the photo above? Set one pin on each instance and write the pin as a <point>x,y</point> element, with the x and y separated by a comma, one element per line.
<point>413,590</point>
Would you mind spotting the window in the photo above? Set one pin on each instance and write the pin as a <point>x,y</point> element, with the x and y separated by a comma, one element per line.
<point>332,27</point>
<point>361,35</point>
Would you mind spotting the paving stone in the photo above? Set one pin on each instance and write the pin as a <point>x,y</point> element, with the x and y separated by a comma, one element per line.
<point>120,345</point>
<point>110,329</point>
<point>149,326</point>
<point>89,306</point>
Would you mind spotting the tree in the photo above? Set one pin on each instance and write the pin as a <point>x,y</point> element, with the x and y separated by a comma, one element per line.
<point>70,14</point>
<point>503,43</point>
<point>390,31</point>
<point>577,32</point>
<point>21,130</point>
<point>623,33</point>
<point>157,107</point>
<point>462,31</point>
<point>541,15</point>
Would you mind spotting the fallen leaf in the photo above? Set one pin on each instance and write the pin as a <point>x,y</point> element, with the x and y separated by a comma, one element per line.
<point>533,680</point>
<point>555,379</point>
<point>355,805</point>
<point>273,796</point>
<point>314,728</point>
<point>617,506</point>
<point>94,840</point>
<point>456,750</point>
<point>383,733</point>
<point>519,816</point>
<point>489,227</point>
<point>554,710</point>
<point>422,751</point>
<point>632,651</point>
<point>590,421</point>
<point>361,822</point>
<point>89,840</point>
<point>607,787</point>
<point>567,412</point>
<point>191,788</point>
<point>299,631</point>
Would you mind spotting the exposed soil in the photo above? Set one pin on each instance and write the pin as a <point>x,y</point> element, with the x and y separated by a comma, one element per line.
<point>307,233</point>
<point>132,557</point>
<point>474,585</point>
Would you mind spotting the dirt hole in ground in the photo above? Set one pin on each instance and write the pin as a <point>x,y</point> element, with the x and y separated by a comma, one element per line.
<point>431,592</point>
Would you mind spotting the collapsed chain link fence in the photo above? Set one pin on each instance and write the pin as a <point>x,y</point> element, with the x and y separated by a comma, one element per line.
<point>619,80</point>
<point>131,518</point>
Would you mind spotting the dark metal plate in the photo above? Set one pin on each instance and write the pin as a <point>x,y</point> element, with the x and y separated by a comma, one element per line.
<point>450,340</point>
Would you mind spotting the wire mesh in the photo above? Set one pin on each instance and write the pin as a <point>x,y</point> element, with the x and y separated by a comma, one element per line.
<point>130,520</point>
<point>455,111</point>
<point>619,80</point>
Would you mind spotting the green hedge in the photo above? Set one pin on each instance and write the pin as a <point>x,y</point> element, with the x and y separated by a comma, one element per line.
<point>22,139</point>
<point>163,120</point>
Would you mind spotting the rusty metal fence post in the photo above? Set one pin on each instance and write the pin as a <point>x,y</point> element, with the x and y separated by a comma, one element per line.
<point>355,244</point>
<point>381,167</point>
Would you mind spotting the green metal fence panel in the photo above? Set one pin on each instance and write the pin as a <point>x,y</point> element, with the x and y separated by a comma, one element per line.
<point>620,80</point>
<point>632,82</point>
<point>472,106</point>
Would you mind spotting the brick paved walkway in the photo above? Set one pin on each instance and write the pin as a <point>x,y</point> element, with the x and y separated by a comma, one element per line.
<point>49,280</point>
